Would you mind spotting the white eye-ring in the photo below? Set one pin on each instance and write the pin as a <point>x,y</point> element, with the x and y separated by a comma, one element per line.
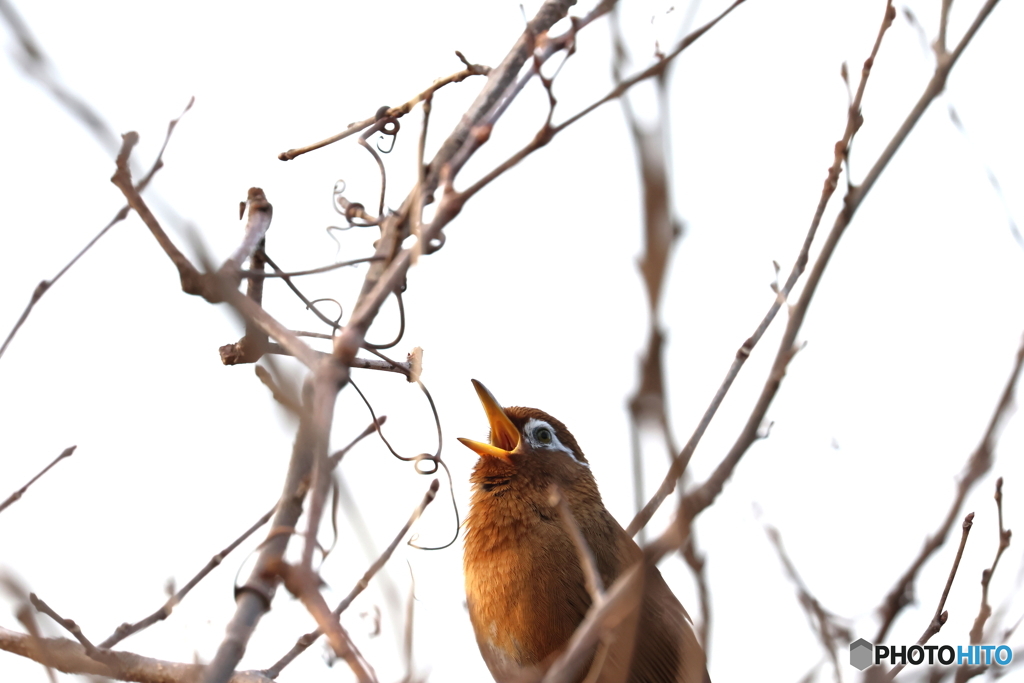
<point>540,434</point>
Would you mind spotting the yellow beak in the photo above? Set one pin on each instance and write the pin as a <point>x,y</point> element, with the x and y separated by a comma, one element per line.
<point>504,435</point>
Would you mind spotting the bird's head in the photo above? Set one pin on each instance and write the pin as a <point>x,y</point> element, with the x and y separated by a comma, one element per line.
<point>527,444</point>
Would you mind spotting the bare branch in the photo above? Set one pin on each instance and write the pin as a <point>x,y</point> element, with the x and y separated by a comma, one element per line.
<point>69,625</point>
<point>985,610</point>
<point>192,281</point>
<point>327,381</point>
<point>289,341</point>
<point>309,638</point>
<point>260,213</point>
<point>70,657</point>
<point>704,495</point>
<point>251,347</point>
<point>822,621</point>
<point>940,614</point>
<point>304,584</point>
<point>37,66</point>
<point>293,508</point>
<point>16,496</point>
<point>965,672</point>
<point>312,271</point>
<point>652,71</point>
<point>620,598</point>
<point>26,615</point>
<point>213,288</point>
<point>979,462</point>
<point>393,112</point>
<point>307,462</point>
<point>45,285</point>
<point>286,398</point>
<point>591,576</point>
<point>125,630</point>
<point>940,42</point>
<point>695,560</point>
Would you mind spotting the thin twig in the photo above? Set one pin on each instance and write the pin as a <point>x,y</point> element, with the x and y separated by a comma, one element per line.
<point>620,598</point>
<point>703,496</point>
<point>126,629</point>
<point>69,625</point>
<point>940,42</point>
<point>985,611</point>
<point>978,463</point>
<point>547,132</point>
<point>394,112</point>
<point>387,276</point>
<point>286,398</point>
<point>33,60</point>
<point>710,489</point>
<point>45,285</point>
<point>591,575</point>
<point>696,561</point>
<point>311,271</point>
<point>407,640</point>
<point>304,584</point>
<point>308,639</point>
<point>406,368</point>
<point>651,71</point>
<point>302,297</point>
<point>822,621</point>
<point>941,615</point>
<point>649,402</point>
<point>14,497</point>
<point>623,596</point>
<point>364,581</point>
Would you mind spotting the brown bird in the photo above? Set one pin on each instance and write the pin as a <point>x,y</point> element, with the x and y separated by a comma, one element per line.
<point>524,581</point>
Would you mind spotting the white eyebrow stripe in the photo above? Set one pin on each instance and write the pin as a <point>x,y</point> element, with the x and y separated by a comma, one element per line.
<point>555,444</point>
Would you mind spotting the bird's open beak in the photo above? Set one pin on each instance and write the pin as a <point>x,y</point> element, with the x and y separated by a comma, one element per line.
<point>504,435</point>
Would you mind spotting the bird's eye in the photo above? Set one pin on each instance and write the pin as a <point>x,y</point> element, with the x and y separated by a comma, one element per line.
<point>542,434</point>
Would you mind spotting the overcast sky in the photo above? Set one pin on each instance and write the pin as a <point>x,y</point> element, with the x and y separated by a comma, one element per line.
<point>910,338</point>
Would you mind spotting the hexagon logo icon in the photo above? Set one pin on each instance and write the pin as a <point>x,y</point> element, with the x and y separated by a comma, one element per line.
<point>860,654</point>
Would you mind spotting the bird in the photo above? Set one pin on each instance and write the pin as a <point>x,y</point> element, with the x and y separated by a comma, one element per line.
<point>525,585</point>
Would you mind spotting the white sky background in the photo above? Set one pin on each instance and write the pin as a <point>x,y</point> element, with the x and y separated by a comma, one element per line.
<point>910,338</point>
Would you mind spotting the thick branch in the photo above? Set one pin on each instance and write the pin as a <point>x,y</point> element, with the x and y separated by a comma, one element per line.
<point>308,457</point>
<point>192,281</point>
<point>260,213</point>
<point>70,657</point>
